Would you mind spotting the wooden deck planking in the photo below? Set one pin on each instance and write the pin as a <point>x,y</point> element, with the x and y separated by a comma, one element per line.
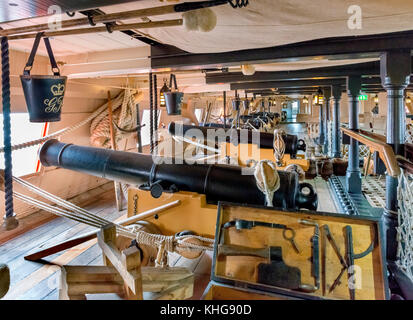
<point>36,281</point>
<point>22,267</point>
<point>41,290</point>
<point>29,280</point>
<point>34,237</point>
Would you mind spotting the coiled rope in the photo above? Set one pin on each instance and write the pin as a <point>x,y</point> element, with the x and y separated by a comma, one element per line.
<point>8,177</point>
<point>267,179</point>
<point>279,146</point>
<point>100,135</point>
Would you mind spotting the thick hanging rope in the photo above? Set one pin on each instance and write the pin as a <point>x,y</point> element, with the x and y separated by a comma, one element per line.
<point>405,224</point>
<point>267,179</point>
<point>8,177</point>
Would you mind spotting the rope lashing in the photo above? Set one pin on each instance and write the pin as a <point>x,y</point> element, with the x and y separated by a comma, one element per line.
<point>166,244</point>
<point>76,213</point>
<point>9,217</point>
<point>267,179</point>
<point>279,146</point>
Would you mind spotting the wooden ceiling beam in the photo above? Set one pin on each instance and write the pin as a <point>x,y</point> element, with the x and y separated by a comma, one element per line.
<point>363,69</point>
<point>339,48</point>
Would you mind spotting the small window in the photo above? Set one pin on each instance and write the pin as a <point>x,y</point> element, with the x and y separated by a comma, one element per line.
<point>146,130</point>
<point>25,161</point>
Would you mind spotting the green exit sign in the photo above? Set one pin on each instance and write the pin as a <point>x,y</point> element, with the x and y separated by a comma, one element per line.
<point>363,97</point>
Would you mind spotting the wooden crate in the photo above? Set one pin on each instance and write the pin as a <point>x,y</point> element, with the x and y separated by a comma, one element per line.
<point>241,271</point>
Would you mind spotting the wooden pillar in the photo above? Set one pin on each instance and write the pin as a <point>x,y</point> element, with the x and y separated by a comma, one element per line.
<point>336,143</point>
<point>327,96</point>
<point>353,177</point>
<point>395,69</point>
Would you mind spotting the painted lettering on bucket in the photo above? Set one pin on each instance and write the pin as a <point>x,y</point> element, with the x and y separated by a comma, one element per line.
<point>55,104</point>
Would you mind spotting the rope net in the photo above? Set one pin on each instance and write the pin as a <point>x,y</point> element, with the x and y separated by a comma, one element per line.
<point>405,224</point>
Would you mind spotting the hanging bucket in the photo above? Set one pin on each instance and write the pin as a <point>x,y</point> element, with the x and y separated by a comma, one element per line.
<point>173,99</point>
<point>43,93</point>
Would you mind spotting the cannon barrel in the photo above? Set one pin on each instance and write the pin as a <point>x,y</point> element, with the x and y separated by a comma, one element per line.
<point>266,141</point>
<point>217,182</point>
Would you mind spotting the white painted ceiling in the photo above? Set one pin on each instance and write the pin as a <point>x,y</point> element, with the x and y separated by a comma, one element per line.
<point>263,23</point>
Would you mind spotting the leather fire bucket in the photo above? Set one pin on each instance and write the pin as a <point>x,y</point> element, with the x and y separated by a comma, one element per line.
<point>43,93</point>
<point>173,99</point>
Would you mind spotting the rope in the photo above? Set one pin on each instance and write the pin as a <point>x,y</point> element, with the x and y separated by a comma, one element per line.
<point>171,243</point>
<point>5,78</point>
<point>95,116</point>
<point>267,183</point>
<point>81,213</point>
<point>125,118</point>
<point>279,146</point>
<point>73,212</point>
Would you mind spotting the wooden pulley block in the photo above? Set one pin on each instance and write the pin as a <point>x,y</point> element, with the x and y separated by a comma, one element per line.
<point>4,280</point>
<point>192,254</point>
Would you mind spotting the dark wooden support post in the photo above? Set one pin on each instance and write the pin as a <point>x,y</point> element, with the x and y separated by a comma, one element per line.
<point>336,143</point>
<point>327,96</point>
<point>224,94</point>
<point>395,72</point>
<point>353,177</point>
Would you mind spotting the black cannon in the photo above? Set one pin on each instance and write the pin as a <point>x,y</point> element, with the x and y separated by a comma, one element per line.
<point>217,182</point>
<point>266,141</point>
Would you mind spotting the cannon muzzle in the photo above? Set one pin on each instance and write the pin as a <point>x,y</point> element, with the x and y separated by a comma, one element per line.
<point>234,136</point>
